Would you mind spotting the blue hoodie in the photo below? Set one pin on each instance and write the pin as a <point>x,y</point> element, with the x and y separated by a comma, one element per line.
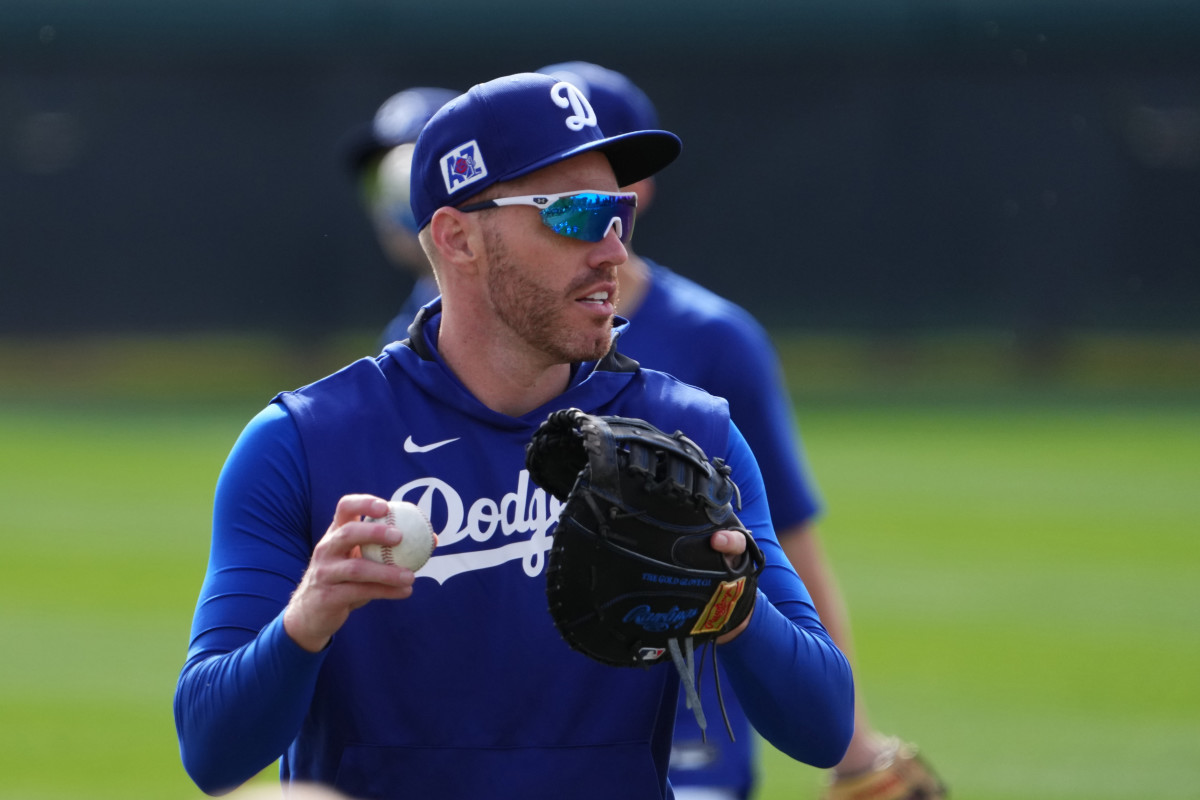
<point>464,689</point>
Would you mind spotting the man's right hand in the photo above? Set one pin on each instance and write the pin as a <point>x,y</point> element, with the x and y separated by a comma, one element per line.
<point>338,579</point>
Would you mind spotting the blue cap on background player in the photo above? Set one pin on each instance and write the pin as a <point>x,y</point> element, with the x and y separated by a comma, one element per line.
<point>511,126</point>
<point>620,105</point>
<point>398,121</point>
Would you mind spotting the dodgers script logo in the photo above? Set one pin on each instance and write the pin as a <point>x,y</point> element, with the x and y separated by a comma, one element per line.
<point>514,528</point>
<point>463,166</point>
<point>566,95</point>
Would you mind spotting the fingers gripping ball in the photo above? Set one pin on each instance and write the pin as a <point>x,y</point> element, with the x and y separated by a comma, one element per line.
<point>632,575</point>
<point>417,544</point>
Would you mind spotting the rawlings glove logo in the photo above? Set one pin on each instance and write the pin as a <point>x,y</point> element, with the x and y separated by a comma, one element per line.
<point>661,621</point>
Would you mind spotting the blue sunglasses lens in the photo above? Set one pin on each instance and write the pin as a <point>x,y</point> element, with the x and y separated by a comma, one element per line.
<point>590,215</point>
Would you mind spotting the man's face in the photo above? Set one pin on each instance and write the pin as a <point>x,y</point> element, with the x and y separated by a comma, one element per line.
<point>555,293</point>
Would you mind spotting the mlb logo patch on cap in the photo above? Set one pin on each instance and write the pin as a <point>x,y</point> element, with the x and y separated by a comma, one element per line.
<point>463,166</point>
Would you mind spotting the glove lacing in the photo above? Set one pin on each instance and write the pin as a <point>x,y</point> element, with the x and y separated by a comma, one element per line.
<point>685,665</point>
<point>689,677</point>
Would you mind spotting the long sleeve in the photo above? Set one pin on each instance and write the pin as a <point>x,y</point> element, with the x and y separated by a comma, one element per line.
<point>795,685</point>
<point>246,686</point>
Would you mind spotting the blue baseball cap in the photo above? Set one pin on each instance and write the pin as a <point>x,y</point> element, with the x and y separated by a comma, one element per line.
<point>515,125</point>
<point>398,121</point>
<point>619,103</point>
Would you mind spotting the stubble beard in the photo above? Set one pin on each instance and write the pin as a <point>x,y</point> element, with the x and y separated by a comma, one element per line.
<point>535,314</point>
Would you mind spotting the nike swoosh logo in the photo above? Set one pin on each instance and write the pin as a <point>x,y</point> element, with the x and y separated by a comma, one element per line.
<point>412,447</point>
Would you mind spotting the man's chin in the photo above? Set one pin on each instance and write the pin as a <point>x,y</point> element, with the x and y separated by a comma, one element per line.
<point>593,351</point>
<point>602,344</point>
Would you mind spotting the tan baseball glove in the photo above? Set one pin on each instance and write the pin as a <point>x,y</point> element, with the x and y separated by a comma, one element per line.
<point>899,774</point>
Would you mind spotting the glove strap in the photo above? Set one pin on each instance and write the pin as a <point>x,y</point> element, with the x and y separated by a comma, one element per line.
<point>720,696</point>
<point>686,666</point>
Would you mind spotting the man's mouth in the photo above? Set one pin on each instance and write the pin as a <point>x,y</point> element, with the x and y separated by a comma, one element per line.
<point>596,297</point>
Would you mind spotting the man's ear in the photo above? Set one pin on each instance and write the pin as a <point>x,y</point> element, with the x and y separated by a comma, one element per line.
<point>457,238</point>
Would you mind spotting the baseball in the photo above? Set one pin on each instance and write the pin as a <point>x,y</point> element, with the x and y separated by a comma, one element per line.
<point>418,542</point>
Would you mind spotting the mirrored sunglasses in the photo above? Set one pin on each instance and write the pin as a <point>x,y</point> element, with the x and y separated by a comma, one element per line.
<point>580,215</point>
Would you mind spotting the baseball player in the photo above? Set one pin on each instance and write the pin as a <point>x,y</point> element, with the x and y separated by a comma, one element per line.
<point>671,315</point>
<point>453,682</point>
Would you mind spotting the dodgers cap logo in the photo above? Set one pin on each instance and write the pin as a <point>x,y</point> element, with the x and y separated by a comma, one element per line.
<point>617,100</point>
<point>515,125</point>
<point>566,95</point>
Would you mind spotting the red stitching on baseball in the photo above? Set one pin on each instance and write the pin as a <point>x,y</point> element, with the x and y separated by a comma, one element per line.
<point>428,529</point>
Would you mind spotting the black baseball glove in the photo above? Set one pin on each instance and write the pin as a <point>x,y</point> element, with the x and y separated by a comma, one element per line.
<point>631,575</point>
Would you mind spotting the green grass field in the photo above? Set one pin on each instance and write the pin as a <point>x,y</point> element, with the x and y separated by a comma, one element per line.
<point>1021,561</point>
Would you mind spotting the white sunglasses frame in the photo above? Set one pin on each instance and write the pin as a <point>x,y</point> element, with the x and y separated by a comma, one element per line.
<point>544,201</point>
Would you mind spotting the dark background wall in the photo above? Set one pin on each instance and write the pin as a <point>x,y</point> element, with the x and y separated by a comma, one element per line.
<point>873,165</point>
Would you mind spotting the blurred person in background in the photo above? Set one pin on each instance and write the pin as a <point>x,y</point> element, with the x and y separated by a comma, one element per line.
<point>378,156</point>
<point>683,329</point>
<point>671,315</point>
